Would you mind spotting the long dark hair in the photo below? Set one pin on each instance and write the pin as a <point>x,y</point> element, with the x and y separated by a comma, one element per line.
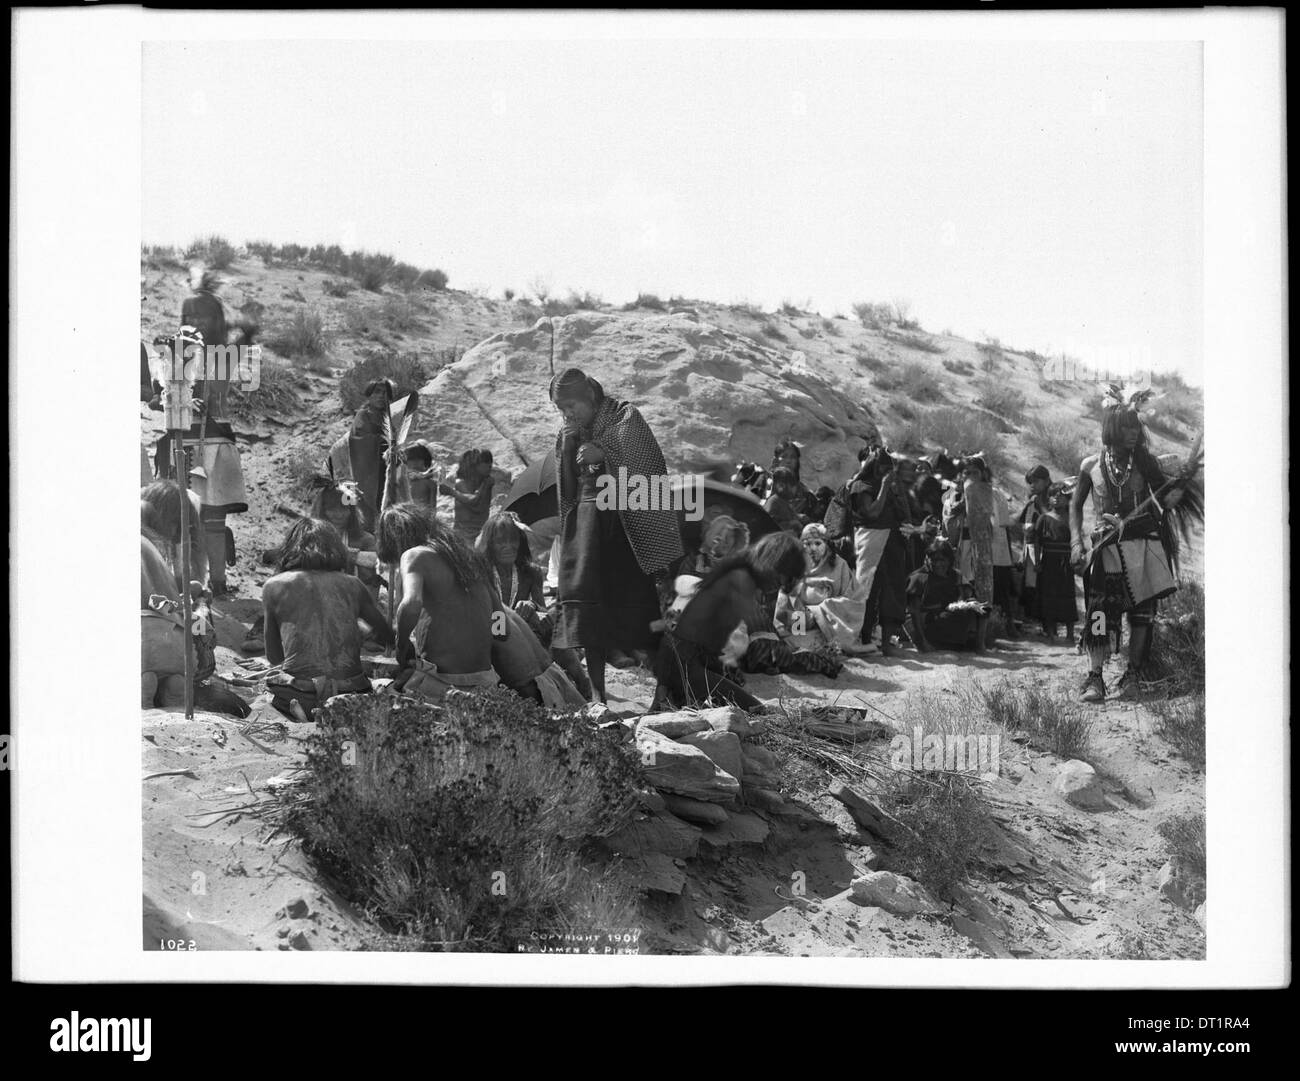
<point>499,522</point>
<point>161,509</point>
<point>774,560</point>
<point>410,525</point>
<point>312,544</point>
<point>1114,420</point>
<point>470,460</point>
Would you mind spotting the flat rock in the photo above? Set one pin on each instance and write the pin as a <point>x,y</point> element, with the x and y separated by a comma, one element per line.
<point>762,767</point>
<point>683,769</point>
<point>870,815</point>
<point>741,828</point>
<point>695,810</point>
<point>732,719</point>
<point>657,832</point>
<point>674,725</point>
<point>1199,915</point>
<point>894,893</point>
<point>1078,784</point>
<point>763,798</point>
<point>722,747</point>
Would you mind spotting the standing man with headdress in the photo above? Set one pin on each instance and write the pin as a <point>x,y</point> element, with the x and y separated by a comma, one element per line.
<point>610,559</point>
<point>1128,569</point>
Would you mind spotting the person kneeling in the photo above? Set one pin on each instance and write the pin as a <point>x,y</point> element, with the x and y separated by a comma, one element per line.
<point>943,614</point>
<point>310,610</point>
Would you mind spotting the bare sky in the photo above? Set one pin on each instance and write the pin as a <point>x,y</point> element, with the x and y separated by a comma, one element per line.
<point>1049,194</point>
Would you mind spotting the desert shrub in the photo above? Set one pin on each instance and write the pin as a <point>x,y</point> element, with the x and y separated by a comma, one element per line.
<point>303,335</point>
<point>1004,400</point>
<point>990,353</point>
<point>216,252</point>
<point>950,823</point>
<point>1185,836</point>
<point>371,272</point>
<point>869,360</point>
<point>291,253</point>
<point>1063,445</point>
<point>419,811</point>
<point>509,294</point>
<point>902,312</point>
<point>874,316</point>
<point>262,249</point>
<point>276,393</point>
<point>433,279</point>
<point>770,330</point>
<point>400,312</point>
<point>807,332</point>
<point>1178,645</point>
<point>1181,723</point>
<point>337,287</point>
<point>914,381</point>
<point>645,300</point>
<point>303,465</point>
<point>407,370</point>
<point>958,367</point>
<point>909,340</point>
<point>161,257</point>
<point>554,306</point>
<point>1050,720</point>
<point>789,308</point>
<point>830,327</point>
<point>404,276</point>
<point>584,301</point>
<point>1177,407</point>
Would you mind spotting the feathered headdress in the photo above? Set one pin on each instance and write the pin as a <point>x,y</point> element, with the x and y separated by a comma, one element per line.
<point>1127,396</point>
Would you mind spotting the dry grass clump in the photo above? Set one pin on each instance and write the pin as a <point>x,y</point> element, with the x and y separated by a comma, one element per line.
<point>465,826</point>
<point>276,394</point>
<point>407,370</point>
<point>914,381</point>
<point>1185,836</point>
<point>1064,446</point>
<point>215,252</point>
<point>1006,401</point>
<point>302,336</point>
<point>646,300</point>
<point>913,340</point>
<point>1050,720</point>
<point>949,821</point>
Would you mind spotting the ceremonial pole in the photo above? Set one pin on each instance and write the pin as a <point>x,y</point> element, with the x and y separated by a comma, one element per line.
<point>178,408</point>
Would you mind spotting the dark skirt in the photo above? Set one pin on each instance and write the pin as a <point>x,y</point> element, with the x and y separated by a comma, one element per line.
<point>887,601</point>
<point>955,630</point>
<point>1054,594</point>
<point>1004,588</point>
<point>606,601</point>
<point>689,677</point>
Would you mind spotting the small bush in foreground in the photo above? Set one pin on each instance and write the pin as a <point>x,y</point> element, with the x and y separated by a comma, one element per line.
<point>1185,836</point>
<point>1178,648</point>
<point>1181,722</point>
<point>465,825</point>
<point>950,822</point>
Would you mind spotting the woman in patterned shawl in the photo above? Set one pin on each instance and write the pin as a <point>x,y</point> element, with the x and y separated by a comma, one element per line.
<point>610,559</point>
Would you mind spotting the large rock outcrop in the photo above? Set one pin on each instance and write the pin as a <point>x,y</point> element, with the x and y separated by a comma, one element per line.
<point>710,395</point>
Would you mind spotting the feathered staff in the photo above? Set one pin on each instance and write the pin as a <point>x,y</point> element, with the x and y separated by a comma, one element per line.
<point>392,456</point>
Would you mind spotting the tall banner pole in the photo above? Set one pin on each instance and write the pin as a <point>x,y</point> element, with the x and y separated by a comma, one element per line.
<point>178,408</point>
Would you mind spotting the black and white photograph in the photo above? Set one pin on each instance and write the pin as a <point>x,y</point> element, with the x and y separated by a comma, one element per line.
<point>728,489</point>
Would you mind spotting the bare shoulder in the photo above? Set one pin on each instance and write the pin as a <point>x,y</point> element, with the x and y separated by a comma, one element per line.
<point>1088,464</point>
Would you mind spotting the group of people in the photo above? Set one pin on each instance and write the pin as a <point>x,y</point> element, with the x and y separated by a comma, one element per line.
<point>924,550</point>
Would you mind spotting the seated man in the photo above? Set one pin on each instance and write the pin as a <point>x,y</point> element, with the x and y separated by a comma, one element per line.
<point>445,618</point>
<point>310,610</point>
<point>940,606</point>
